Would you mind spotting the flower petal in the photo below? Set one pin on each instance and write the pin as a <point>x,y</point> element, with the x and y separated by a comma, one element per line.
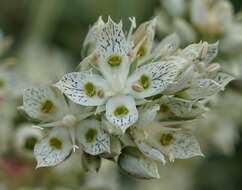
<point>152,79</point>
<point>92,137</point>
<point>112,49</point>
<point>84,88</point>
<point>91,37</point>
<point>138,166</point>
<point>121,111</point>
<point>151,153</point>
<point>167,46</point>
<point>181,82</point>
<point>54,149</point>
<point>175,143</point>
<point>201,88</point>
<point>223,79</point>
<point>147,114</point>
<point>43,103</point>
<point>184,146</point>
<point>183,108</point>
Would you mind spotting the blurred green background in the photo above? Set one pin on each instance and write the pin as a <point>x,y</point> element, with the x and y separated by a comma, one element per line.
<point>63,24</point>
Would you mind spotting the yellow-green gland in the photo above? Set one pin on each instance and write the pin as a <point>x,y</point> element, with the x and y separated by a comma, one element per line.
<point>30,143</point>
<point>47,107</point>
<point>144,81</point>
<point>141,52</point>
<point>121,111</point>
<point>90,89</point>
<point>164,108</point>
<point>91,135</point>
<point>166,139</point>
<point>114,60</point>
<point>55,143</point>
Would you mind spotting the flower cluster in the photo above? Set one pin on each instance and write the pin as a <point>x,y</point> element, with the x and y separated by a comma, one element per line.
<point>210,20</point>
<point>127,101</point>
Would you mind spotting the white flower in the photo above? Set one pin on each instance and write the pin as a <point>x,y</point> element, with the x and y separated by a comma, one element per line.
<point>174,143</point>
<point>114,86</point>
<point>68,126</point>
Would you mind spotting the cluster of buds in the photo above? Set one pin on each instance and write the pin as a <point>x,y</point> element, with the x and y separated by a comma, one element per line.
<point>127,101</point>
<point>202,19</point>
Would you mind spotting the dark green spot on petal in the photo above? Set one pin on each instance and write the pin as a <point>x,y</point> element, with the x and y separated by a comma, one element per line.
<point>47,107</point>
<point>91,135</point>
<point>114,60</point>
<point>144,81</point>
<point>121,111</point>
<point>141,52</point>
<point>30,143</point>
<point>90,89</point>
<point>166,139</point>
<point>164,108</point>
<point>55,143</point>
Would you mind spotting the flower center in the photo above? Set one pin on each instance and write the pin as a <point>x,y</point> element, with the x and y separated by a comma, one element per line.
<point>30,143</point>
<point>55,143</point>
<point>90,89</point>
<point>47,107</point>
<point>166,139</point>
<point>144,81</point>
<point>91,135</point>
<point>114,60</point>
<point>121,111</point>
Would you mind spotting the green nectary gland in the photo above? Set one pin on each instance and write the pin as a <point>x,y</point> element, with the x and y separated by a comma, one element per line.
<point>91,135</point>
<point>141,52</point>
<point>121,111</point>
<point>144,81</point>
<point>166,139</point>
<point>47,107</point>
<point>30,143</point>
<point>55,143</point>
<point>164,108</point>
<point>114,60</point>
<point>90,89</point>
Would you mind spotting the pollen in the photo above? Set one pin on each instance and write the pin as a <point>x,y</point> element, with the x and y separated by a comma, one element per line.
<point>121,111</point>
<point>91,135</point>
<point>144,81</point>
<point>114,60</point>
<point>90,89</point>
<point>47,107</point>
<point>30,143</point>
<point>56,143</point>
<point>166,139</point>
